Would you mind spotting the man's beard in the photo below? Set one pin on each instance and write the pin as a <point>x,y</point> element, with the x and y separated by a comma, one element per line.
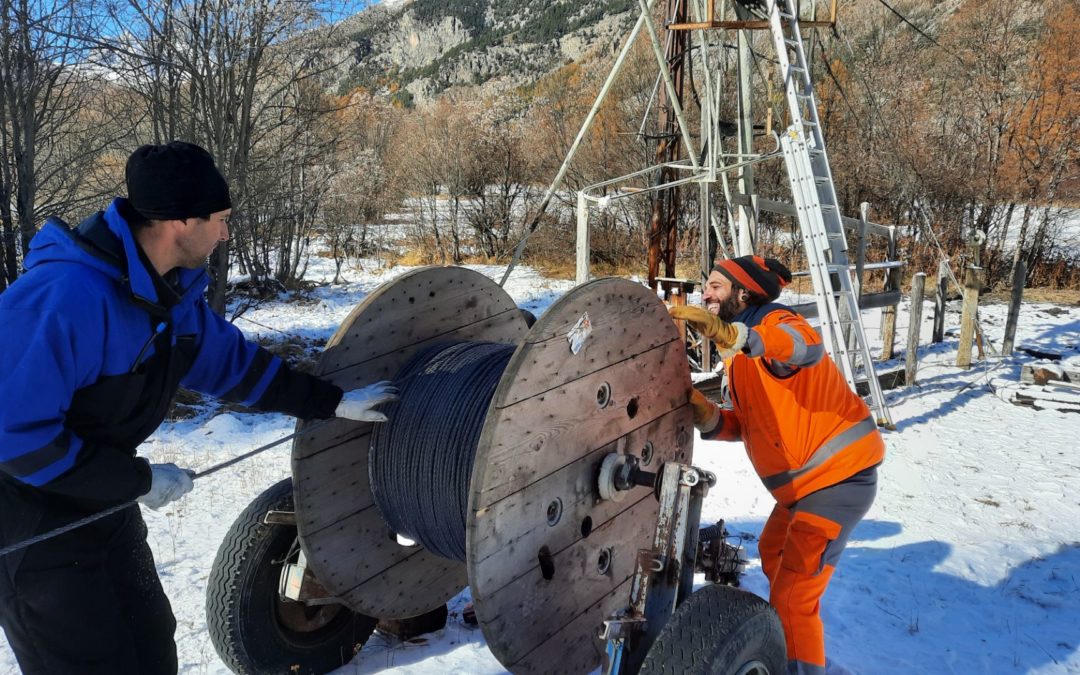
<point>729,308</point>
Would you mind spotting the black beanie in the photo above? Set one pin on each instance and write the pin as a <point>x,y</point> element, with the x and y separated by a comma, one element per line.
<point>177,180</point>
<point>762,277</point>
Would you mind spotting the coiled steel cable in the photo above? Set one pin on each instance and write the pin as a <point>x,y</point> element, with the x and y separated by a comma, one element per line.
<point>420,461</point>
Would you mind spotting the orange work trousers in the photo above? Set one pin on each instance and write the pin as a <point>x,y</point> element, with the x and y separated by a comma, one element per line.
<point>800,547</point>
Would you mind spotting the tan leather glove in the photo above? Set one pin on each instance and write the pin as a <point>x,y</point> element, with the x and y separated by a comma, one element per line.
<point>729,337</point>
<point>706,413</point>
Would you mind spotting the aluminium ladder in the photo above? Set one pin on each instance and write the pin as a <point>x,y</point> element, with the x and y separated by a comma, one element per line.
<point>814,194</point>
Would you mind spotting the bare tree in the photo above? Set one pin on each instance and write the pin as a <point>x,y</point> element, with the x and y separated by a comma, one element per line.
<point>1043,140</point>
<point>358,197</point>
<point>50,134</point>
<point>499,178</point>
<point>363,182</point>
<point>232,74</point>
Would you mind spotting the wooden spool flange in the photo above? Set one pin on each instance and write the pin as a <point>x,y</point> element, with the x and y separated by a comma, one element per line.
<point>548,560</point>
<point>348,546</point>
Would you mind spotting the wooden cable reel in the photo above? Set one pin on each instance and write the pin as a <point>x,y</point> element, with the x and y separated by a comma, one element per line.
<point>547,559</point>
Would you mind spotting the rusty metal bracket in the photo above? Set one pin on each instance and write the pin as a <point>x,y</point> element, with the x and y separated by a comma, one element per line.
<point>280,518</point>
<point>650,560</point>
<point>664,574</point>
<point>621,629</point>
<point>299,584</point>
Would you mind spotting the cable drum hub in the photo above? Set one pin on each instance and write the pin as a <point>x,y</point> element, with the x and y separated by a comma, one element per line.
<point>421,459</point>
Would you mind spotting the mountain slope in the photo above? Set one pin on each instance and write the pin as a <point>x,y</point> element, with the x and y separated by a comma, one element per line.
<point>419,49</point>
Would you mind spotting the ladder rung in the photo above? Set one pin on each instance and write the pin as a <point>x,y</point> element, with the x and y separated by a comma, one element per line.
<point>785,15</point>
<point>885,265</point>
<point>868,267</point>
<point>791,43</point>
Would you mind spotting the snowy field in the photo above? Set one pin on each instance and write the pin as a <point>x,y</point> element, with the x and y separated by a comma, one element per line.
<point>969,562</point>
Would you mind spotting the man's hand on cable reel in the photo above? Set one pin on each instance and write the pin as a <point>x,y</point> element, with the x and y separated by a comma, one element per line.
<point>729,337</point>
<point>359,404</point>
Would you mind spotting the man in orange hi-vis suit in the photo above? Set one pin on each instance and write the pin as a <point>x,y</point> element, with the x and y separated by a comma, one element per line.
<point>811,439</point>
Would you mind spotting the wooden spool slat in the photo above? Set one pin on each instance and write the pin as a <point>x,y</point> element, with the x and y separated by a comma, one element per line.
<point>543,439</point>
<point>386,366</point>
<point>329,434</point>
<point>575,647</point>
<point>577,589</point>
<point>575,487</point>
<point>625,322</point>
<point>528,447</point>
<point>348,546</point>
<point>328,477</point>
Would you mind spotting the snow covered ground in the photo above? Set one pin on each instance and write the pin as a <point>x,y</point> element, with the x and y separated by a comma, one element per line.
<point>969,562</point>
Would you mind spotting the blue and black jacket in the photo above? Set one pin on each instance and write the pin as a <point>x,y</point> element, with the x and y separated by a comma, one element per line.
<point>93,346</point>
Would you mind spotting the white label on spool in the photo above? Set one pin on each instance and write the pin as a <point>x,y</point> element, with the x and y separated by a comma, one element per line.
<point>579,333</point>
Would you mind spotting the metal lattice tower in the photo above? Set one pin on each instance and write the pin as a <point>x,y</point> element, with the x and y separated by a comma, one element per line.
<point>730,174</point>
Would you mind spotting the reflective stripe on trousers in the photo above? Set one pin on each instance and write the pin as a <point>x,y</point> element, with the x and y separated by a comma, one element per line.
<point>800,547</point>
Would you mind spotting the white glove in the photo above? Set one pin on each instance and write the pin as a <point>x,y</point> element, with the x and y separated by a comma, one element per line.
<point>358,404</point>
<point>168,483</point>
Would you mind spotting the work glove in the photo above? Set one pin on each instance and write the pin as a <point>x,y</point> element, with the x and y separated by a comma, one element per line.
<point>359,404</point>
<point>168,483</point>
<point>729,337</point>
<point>706,413</point>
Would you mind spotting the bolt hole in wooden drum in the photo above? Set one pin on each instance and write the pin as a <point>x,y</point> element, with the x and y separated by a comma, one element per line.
<point>602,371</point>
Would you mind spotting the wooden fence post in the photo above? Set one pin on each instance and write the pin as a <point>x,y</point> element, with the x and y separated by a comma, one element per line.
<point>911,362</point>
<point>1019,277</point>
<point>969,316</point>
<point>939,302</point>
<point>888,314</point>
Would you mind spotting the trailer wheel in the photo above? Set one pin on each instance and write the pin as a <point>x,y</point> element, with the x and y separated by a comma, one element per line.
<point>719,630</point>
<point>252,628</point>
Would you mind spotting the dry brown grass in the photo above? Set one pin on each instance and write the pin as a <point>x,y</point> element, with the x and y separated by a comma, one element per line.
<point>1055,296</point>
<point>411,259</point>
<point>567,269</point>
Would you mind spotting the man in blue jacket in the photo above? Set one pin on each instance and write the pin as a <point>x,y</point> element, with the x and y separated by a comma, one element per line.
<point>107,322</point>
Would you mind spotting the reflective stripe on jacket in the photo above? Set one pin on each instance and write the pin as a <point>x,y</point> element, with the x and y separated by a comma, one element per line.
<point>803,427</point>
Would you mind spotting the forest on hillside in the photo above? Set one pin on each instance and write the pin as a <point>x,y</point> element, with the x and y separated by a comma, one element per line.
<point>966,112</point>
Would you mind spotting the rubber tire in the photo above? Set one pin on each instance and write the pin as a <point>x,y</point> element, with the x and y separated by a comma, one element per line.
<point>242,597</point>
<point>716,631</point>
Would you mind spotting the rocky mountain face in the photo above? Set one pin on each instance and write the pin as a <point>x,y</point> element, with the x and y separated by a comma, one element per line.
<point>415,50</point>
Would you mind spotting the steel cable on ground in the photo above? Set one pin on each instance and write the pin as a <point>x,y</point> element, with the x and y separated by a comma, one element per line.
<point>421,459</point>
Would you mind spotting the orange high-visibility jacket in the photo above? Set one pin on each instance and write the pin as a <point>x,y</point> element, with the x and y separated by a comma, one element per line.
<point>803,427</point>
